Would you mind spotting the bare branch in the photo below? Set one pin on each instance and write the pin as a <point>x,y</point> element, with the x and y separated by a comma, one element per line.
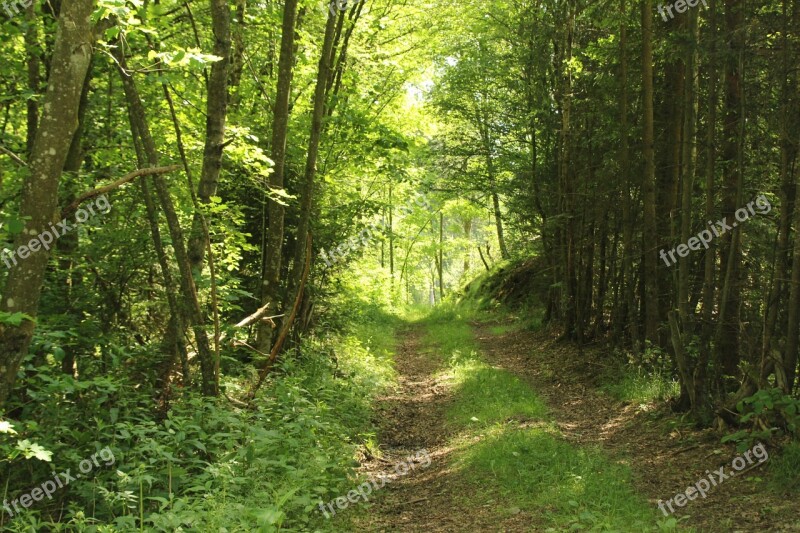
<point>71,208</point>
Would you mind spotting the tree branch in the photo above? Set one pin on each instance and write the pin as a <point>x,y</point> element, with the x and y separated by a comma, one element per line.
<point>71,208</point>
<point>13,156</point>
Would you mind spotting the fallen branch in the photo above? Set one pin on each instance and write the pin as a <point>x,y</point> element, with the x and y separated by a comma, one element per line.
<point>418,500</point>
<point>252,318</point>
<point>749,468</point>
<point>286,327</point>
<point>677,452</point>
<point>71,208</point>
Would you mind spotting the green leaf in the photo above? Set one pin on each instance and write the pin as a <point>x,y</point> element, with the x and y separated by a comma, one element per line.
<point>13,319</point>
<point>30,450</point>
<point>112,33</point>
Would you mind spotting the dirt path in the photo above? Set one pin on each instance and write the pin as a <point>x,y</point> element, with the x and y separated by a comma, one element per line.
<point>664,462</point>
<point>413,418</point>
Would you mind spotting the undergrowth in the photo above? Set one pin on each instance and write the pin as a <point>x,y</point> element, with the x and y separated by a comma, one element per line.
<point>207,465</point>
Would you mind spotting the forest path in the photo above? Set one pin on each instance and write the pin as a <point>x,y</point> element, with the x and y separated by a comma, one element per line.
<point>411,418</point>
<point>625,457</point>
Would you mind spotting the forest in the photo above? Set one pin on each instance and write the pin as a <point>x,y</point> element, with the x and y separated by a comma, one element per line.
<point>379,265</point>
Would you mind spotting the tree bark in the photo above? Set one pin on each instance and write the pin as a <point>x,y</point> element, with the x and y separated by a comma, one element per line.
<point>650,230</point>
<point>275,211</point>
<point>728,329</point>
<point>191,311</point>
<point>216,113</point>
<point>307,192</point>
<point>39,204</point>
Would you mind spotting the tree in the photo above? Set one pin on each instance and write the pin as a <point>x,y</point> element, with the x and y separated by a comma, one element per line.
<point>39,205</point>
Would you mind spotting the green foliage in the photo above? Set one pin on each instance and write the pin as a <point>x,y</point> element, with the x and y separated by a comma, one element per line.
<point>770,414</point>
<point>206,466</point>
<point>484,395</point>
<point>579,488</point>
<point>13,319</point>
<point>632,384</point>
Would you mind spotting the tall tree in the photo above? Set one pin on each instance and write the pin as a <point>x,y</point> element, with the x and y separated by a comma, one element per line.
<point>649,230</point>
<point>216,113</point>
<point>273,252</point>
<point>39,205</point>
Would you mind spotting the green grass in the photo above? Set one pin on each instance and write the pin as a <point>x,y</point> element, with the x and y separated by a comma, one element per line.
<point>487,395</point>
<point>785,469</point>
<point>637,386</point>
<point>567,486</point>
<point>509,447</point>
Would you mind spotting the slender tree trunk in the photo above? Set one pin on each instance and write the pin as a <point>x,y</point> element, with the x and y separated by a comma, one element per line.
<point>237,52</point>
<point>688,160</point>
<point>728,331</point>
<point>791,147</point>
<point>467,235</point>
<point>498,221</point>
<point>32,50</point>
<point>631,317</point>
<point>216,113</point>
<point>793,334</point>
<point>307,192</point>
<point>193,315</point>
<point>650,230</point>
<point>441,257</point>
<point>710,259</point>
<point>280,126</point>
<point>68,278</point>
<point>391,231</point>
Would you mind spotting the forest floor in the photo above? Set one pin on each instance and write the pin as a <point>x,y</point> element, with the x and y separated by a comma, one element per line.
<point>590,463</point>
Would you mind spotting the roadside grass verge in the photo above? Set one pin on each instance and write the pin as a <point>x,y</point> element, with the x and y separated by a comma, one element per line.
<point>510,448</point>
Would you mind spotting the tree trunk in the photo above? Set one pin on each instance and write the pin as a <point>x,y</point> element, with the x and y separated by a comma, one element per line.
<point>441,257</point>
<point>280,126</point>
<point>192,313</point>
<point>728,330</point>
<point>710,259</point>
<point>216,112</point>
<point>791,146</point>
<point>32,51</point>
<point>650,230</point>
<point>307,192</point>
<point>631,317</point>
<point>688,160</point>
<point>39,204</point>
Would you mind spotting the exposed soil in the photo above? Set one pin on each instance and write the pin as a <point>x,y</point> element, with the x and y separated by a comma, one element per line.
<point>663,461</point>
<point>413,418</point>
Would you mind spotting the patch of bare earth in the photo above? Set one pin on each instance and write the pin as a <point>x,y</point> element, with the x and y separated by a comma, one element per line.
<point>664,462</point>
<point>412,418</point>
